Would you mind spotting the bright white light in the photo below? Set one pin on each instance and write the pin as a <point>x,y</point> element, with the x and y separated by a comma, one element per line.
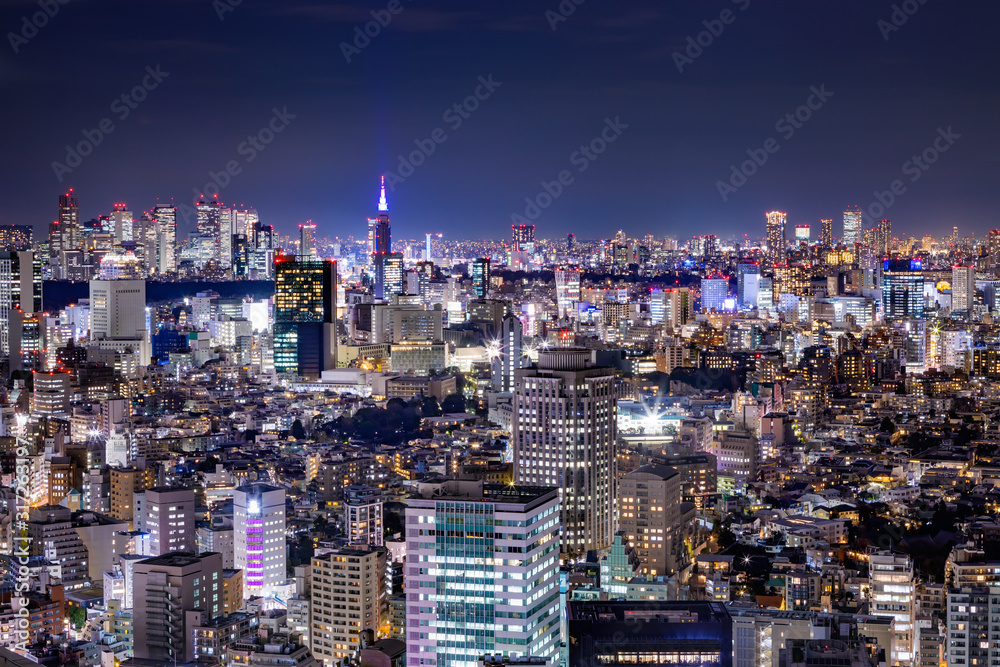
<point>253,507</point>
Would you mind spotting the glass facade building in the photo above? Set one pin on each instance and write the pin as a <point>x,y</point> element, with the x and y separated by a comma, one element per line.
<point>305,311</point>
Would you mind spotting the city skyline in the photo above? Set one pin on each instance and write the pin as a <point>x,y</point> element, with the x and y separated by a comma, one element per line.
<point>885,101</point>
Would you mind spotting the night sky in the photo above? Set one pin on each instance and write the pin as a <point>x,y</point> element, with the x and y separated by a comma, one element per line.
<point>892,91</point>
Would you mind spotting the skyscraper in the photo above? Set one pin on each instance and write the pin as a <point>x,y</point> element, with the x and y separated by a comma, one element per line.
<point>20,290</point>
<point>775,238</point>
<point>481,277</point>
<point>747,284</point>
<point>117,309</point>
<point>963,288</point>
<point>307,240</point>
<point>121,223</point>
<point>826,233</point>
<point>567,290</point>
<point>523,238</point>
<point>380,244</point>
<point>166,222</point>
<point>884,236</point>
<point>902,290</point>
<point>564,433</point>
<point>305,315</point>
<point>853,222</point>
<point>466,599</point>
<point>259,537</point>
<point>389,278</point>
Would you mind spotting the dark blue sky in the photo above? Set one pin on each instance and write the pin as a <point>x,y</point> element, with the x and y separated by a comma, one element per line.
<point>557,87</point>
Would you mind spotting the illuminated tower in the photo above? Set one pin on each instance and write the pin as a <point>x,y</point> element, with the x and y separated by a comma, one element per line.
<point>852,226</point>
<point>775,237</point>
<point>380,242</point>
<point>259,537</point>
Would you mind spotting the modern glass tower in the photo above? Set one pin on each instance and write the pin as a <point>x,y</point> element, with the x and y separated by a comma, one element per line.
<point>482,573</point>
<point>305,315</point>
<point>481,276</point>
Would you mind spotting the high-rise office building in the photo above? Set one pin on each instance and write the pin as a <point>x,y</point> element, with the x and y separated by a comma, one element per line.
<point>853,222</point>
<point>166,252</point>
<point>20,290</point>
<point>564,432</point>
<point>883,236</point>
<point>259,537</point>
<point>173,594</point>
<point>714,293</point>
<point>893,593</point>
<point>902,289</point>
<point>747,284</point>
<point>802,233</point>
<point>649,501</point>
<point>465,599</point>
<point>117,309</point>
<point>481,277</point>
<point>826,233</point>
<point>775,236</point>
<point>64,233</point>
<point>305,315</point>
<point>170,520</point>
<point>523,238</point>
<point>307,240</point>
<point>567,290</point>
<point>121,222</point>
<point>963,288</point>
<point>389,275</point>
